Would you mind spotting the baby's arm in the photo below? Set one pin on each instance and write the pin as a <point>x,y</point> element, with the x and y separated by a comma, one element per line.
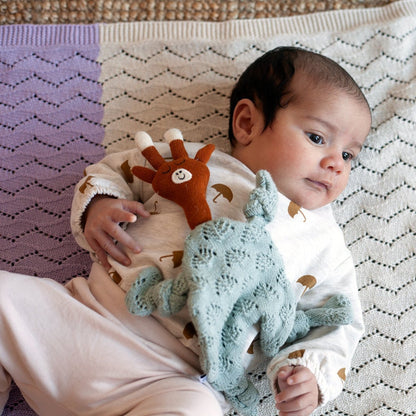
<point>102,227</point>
<point>105,198</point>
<point>298,393</point>
<point>326,351</point>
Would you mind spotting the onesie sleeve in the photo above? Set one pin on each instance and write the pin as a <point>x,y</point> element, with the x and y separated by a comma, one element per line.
<point>111,176</point>
<point>326,351</point>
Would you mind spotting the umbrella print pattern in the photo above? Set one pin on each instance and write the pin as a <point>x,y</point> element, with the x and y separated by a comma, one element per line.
<point>125,168</point>
<point>308,281</point>
<point>176,257</point>
<point>224,191</point>
<point>295,209</point>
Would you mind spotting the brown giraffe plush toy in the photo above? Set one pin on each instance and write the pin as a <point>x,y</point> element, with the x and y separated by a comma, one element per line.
<point>182,180</point>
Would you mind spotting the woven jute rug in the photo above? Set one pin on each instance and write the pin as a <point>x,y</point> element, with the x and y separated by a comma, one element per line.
<point>111,11</point>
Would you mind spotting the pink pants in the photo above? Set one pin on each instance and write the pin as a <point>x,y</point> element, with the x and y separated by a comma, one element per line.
<point>76,350</point>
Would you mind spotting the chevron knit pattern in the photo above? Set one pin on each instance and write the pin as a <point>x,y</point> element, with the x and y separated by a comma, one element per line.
<point>67,90</point>
<point>50,115</point>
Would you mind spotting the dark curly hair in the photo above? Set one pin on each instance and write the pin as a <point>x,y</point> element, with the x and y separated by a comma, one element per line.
<point>266,82</point>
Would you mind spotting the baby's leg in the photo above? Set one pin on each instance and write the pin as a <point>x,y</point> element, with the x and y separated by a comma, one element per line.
<point>30,337</point>
<point>5,382</point>
<point>70,355</point>
<point>179,396</point>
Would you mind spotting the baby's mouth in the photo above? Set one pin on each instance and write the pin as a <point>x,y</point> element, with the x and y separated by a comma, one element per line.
<point>320,185</point>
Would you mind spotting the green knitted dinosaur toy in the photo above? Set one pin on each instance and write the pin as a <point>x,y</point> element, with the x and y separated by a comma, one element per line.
<point>232,278</point>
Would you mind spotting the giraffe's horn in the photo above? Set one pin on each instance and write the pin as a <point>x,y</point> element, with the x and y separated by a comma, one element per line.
<point>173,134</point>
<point>145,144</point>
<point>143,140</point>
<point>175,139</point>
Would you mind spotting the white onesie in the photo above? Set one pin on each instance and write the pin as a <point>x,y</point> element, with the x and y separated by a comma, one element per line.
<point>317,263</point>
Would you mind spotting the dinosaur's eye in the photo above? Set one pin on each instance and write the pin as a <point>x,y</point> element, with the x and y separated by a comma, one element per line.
<point>167,170</point>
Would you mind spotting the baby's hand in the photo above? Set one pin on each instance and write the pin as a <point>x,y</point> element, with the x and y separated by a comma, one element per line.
<point>298,394</point>
<point>102,229</point>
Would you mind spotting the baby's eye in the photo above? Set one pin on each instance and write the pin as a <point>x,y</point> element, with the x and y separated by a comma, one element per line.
<point>347,156</point>
<point>315,138</point>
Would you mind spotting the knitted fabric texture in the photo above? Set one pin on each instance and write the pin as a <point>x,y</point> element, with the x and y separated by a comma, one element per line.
<point>232,278</point>
<point>73,93</point>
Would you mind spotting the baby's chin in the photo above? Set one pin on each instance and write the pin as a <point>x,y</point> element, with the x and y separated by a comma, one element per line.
<point>307,196</point>
<point>311,203</point>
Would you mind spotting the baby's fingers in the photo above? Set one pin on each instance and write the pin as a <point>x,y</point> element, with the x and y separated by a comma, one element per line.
<point>292,393</point>
<point>105,246</point>
<point>296,401</point>
<point>122,215</point>
<point>135,207</point>
<point>300,395</point>
<point>100,253</point>
<point>301,406</point>
<point>118,234</point>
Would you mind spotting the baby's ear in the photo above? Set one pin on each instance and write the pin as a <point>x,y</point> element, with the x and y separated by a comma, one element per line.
<point>246,119</point>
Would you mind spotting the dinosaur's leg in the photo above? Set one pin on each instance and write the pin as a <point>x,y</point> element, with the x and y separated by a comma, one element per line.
<point>141,299</point>
<point>231,377</point>
<point>235,385</point>
<point>335,312</point>
<point>274,331</point>
<point>277,313</point>
<point>150,291</point>
<point>245,399</point>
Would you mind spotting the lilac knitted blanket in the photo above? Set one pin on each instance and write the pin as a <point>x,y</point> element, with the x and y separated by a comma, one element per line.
<point>50,115</point>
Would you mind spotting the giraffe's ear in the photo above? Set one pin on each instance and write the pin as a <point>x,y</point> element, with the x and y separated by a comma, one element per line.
<point>145,174</point>
<point>204,154</point>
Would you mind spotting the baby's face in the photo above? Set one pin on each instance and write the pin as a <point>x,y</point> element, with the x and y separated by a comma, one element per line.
<point>310,145</point>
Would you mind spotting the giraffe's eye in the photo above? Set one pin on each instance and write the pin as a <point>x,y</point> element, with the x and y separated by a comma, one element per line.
<point>179,162</point>
<point>167,170</point>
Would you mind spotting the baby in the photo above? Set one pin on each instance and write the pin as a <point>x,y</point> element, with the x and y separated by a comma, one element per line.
<point>75,349</point>
<point>302,118</point>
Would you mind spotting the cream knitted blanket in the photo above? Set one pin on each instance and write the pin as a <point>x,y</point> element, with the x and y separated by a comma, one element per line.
<point>180,74</point>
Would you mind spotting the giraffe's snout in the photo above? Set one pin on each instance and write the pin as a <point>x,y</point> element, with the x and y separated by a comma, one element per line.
<point>181,175</point>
